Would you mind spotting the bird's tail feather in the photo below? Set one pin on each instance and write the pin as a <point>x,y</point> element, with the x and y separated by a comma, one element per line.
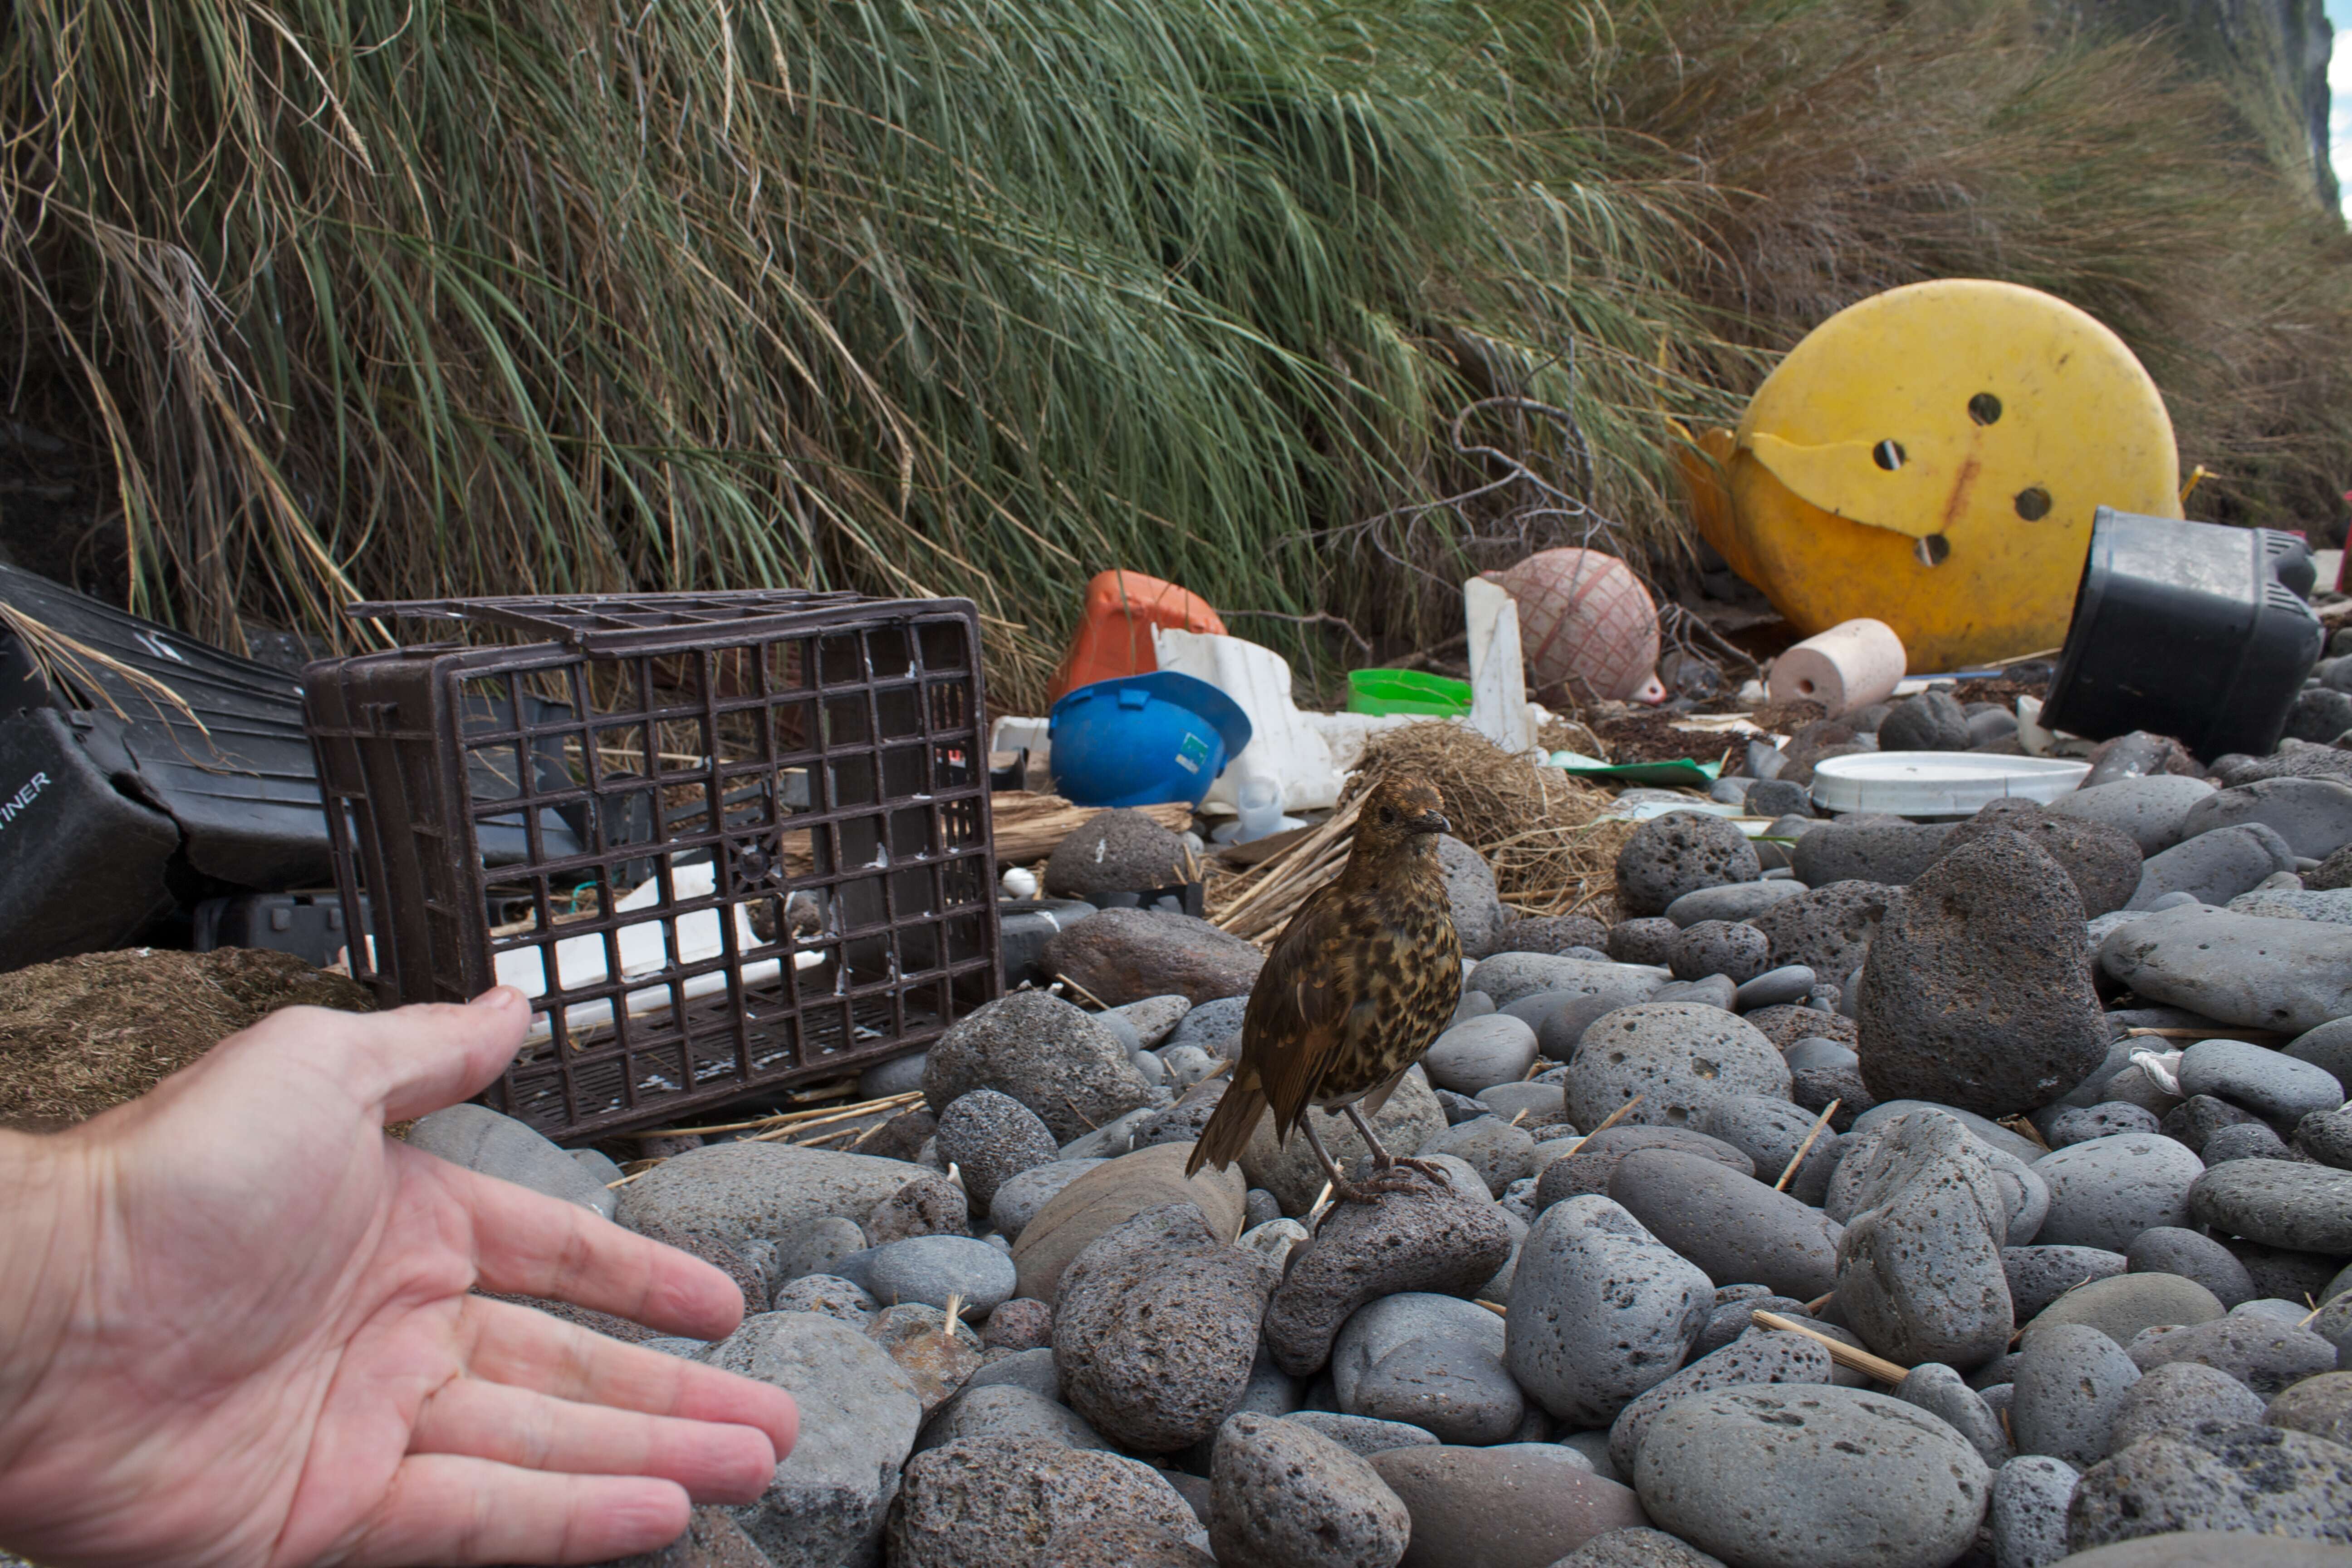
<point>1229,1129</point>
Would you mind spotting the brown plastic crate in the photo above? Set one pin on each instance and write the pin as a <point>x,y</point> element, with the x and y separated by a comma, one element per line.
<point>793,786</point>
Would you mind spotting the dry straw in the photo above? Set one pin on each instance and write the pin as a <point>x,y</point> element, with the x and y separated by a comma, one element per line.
<point>1540,831</point>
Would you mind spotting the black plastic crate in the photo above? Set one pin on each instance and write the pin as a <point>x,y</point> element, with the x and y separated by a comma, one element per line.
<point>752,827</point>
<point>2189,629</point>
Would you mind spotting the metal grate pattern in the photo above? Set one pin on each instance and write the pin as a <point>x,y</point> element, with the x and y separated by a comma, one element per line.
<point>729,841</point>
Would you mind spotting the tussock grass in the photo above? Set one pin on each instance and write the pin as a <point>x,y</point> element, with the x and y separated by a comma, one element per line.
<point>983,295</point>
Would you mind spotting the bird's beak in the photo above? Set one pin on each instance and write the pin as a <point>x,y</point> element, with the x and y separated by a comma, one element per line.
<point>1430,822</point>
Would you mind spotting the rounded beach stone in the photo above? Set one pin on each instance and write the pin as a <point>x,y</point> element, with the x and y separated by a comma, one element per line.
<point>1720,947</point>
<point>828,1295</point>
<point>1735,1227</point>
<point>989,1137</point>
<point>1156,1329</point>
<point>2321,1405</point>
<point>2169,1399</point>
<point>1282,1495</point>
<point>1497,1151</point>
<point>1361,1434</point>
<point>1019,1197</point>
<point>1789,986</point>
<point>1600,1310</point>
<point>2121,1306</point>
<point>2246,1480</point>
<point>1588,1167</point>
<point>928,1269</point>
<point>2192,1254</point>
<point>1649,940</point>
<point>1006,1410</point>
<point>1977,993</point>
<point>1812,1477</point>
<point>1676,1057</point>
<point>1942,1394</point>
<point>1770,1131</point>
<point>2039,1275</point>
<point>1115,852</point>
<point>2105,1192</point>
<point>1516,1503</point>
<point>2327,1136</point>
<point>2102,862</point>
<point>1760,1356</point>
<point>993,1502</point>
<point>2269,1083</point>
<point>2247,1141</point>
<point>2264,1353</point>
<point>1457,1389</point>
<point>1042,1051</point>
<point>1731,901</point>
<point>2068,1383</point>
<point>1480,1053</point>
<point>1639,1547</point>
<point>2081,1124</point>
<point>2027,1519</point>
<point>1380,1326</point>
<point>1919,1268</point>
<point>2277,1203</point>
<point>1427,1236</point>
<point>1680,853</point>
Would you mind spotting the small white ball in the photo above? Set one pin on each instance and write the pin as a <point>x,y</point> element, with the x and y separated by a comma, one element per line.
<point>1020,882</point>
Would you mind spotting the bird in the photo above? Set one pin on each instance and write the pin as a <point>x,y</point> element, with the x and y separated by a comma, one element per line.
<point>1360,985</point>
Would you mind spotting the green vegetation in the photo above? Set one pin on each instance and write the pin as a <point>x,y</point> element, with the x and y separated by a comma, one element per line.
<point>407,297</point>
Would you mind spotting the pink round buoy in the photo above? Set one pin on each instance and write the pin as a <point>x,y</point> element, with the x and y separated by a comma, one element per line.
<point>1586,620</point>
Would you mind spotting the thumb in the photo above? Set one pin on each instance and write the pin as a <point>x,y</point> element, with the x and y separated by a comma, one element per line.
<point>420,1059</point>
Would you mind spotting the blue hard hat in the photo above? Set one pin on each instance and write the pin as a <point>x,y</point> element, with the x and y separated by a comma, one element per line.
<point>1141,739</point>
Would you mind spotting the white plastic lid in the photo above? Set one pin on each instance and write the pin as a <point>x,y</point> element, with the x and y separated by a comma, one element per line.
<point>1938,783</point>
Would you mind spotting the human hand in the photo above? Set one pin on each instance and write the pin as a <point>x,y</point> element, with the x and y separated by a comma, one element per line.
<point>236,1328</point>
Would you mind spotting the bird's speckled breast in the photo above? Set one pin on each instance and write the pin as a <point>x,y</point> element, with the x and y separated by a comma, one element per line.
<point>1414,961</point>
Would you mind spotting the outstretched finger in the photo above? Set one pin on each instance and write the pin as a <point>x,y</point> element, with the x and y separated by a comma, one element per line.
<point>447,1508</point>
<point>484,1420</point>
<point>526,1244</point>
<point>517,1344</point>
<point>420,1059</point>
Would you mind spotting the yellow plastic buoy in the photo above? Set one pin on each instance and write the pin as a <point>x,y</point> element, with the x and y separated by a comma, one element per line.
<point>1931,458</point>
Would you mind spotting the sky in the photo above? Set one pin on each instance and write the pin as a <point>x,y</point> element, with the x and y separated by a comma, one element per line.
<point>2339,90</point>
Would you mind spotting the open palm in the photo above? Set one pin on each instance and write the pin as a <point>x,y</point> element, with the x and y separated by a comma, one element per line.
<point>236,1328</point>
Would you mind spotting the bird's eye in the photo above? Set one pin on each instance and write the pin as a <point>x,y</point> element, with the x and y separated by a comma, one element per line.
<point>1388,813</point>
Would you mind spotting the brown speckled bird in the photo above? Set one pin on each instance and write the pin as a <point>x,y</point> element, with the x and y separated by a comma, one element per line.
<point>1363,982</point>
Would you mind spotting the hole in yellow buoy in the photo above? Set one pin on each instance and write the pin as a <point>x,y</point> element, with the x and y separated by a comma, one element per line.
<point>2033,503</point>
<point>1934,550</point>
<point>1984,408</point>
<point>1887,454</point>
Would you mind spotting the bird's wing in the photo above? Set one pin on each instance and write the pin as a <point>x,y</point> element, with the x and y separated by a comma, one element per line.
<point>1297,1021</point>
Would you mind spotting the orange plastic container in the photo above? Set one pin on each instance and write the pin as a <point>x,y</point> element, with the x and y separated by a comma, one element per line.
<point>1114,635</point>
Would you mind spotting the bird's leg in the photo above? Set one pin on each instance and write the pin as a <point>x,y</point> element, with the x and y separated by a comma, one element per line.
<point>1385,1163</point>
<point>1342,1190</point>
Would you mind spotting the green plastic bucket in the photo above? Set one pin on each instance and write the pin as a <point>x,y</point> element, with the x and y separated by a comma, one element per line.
<point>1380,691</point>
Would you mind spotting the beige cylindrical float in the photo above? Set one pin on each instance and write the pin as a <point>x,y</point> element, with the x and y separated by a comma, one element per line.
<point>1852,665</point>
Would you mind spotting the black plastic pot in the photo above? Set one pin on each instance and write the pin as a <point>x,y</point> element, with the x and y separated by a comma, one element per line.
<point>2187,630</point>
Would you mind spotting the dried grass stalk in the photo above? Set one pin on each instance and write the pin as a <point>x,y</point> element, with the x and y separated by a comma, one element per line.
<point>1541,830</point>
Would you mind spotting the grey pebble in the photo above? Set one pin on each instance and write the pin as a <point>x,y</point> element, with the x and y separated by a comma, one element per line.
<point>1600,1310</point>
<point>2266,1355</point>
<point>1942,1392</point>
<point>2259,1481</point>
<point>1735,1227</point>
<point>2247,1141</point>
<point>1380,1326</point>
<point>2069,1382</point>
<point>1789,984</point>
<point>2028,1516</point>
<point>1728,949</point>
<point>2170,1399</point>
<point>2267,1082</point>
<point>1637,1548</point>
<point>2081,1124</point>
<point>2277,1203</point>
<point>1807,1475</point>
<point>1770,1131</point>
<point>2192,1254</point>
<point>1480,1053</point>
<point>2039,1275</point>
<point>1019,1197</point>
<point>1760,1356</point>
<point>1284,1496</point>
<point>2105,1192</point>
<point>828,1294</point>
<point>1457,1389</point>
<point>2122,1305</point>
<point>1005,1410</point>
<point>1361,1434</point>
<point>1497,1151</point>
<point>928,1269</point>
<point>1676,1055</point>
